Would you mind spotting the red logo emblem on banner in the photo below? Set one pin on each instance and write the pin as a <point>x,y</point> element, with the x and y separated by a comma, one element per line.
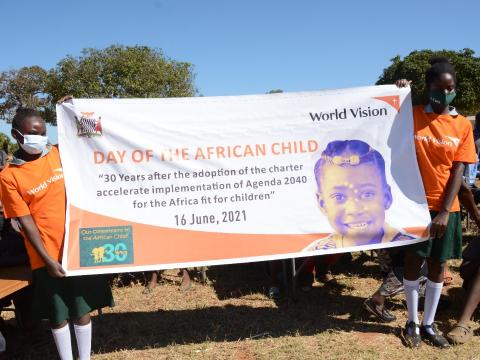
<point>394,101</point>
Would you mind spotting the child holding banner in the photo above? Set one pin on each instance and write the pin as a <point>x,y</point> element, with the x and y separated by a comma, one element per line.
<point>392,283</point>
<point>444,144</point>
<point>33,191</point>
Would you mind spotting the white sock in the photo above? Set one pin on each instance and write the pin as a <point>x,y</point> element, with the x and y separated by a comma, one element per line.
<point>83,334</point>
<point>411,295</point>
<point>433,291</point>
<point>63,342</point>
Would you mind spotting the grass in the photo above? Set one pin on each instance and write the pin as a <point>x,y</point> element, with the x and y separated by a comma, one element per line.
<point>232,318</point>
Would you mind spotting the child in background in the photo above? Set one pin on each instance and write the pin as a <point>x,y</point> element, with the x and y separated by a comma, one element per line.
<point>470,273</point>
<point>33,192</point>
<point>392,284</point>
<point>444,144</point>
<point>353,193</point>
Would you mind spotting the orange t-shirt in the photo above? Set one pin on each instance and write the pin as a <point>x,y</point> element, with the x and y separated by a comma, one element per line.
<point>37,188</point>
<point>439,141</point>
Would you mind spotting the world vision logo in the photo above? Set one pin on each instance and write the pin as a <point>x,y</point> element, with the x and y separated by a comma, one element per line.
<point>58,175</point>
<point>394,101</point>
<point>88,125</point>
<point>449,141</point>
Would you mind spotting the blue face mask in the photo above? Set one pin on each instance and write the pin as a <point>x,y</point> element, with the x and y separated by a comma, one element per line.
<point>33,144</point>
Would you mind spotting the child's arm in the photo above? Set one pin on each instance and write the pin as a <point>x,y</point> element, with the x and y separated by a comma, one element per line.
<point>466,199</point>
<point>439,222</point>
<point>31,232</point>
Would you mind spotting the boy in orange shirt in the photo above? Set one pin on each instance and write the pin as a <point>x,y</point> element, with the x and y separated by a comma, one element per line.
<point>33,192</point>
<point>444,144</point>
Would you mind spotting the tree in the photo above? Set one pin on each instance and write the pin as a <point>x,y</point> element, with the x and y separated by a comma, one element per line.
<point>275,91</point>
<point>23,87</point>
<point>120,71</point>
<point>413,68</point>
<point>12,146</point>
<point>114,72</point>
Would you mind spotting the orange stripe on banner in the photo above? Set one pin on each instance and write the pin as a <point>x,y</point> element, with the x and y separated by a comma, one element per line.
<point>418,231</point>
<point>160,245</point>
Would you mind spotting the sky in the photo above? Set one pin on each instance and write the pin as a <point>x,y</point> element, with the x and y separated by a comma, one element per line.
<point>243,47</point>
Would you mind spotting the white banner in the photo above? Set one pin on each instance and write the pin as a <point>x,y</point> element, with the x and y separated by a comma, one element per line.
<point>167,183</point>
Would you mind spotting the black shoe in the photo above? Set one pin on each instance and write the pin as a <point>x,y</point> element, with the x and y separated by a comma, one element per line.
<point>437,339</point>
<point>383,315</point>
<point>410,335</point>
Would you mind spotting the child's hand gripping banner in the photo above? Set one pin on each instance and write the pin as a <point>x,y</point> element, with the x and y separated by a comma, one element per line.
<point>173,183</point>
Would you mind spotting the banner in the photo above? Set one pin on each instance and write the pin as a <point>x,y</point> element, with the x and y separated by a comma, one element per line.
<point>172,183</point>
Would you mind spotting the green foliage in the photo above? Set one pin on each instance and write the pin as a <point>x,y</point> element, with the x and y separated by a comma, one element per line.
<point>413,68</point>
<point>275,91</point>
<point>114,72</point>
<point>23,87</point>
<point>120,71</point>
<point>12,146</point>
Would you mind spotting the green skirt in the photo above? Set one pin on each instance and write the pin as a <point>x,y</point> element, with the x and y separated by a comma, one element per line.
<point>449,246</point>
<point>60,299</point>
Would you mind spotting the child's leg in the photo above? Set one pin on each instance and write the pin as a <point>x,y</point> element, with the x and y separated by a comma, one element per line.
<point>61,335</point>
<point>324,264</point>
<point>186,282</point>
<point>152,283</point>
<point>412,267</point>
<point>378,299</point>
<point>83,334</point>
<point>473,298</point>
<point>305,275</point>
<point>433,289</point>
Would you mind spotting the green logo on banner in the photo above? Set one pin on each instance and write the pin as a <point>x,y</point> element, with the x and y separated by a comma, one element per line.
<point>102,246</point>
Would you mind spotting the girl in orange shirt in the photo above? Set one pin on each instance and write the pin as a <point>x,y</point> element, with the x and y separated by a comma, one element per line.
<point>444,144</point>
<point>33,192</point>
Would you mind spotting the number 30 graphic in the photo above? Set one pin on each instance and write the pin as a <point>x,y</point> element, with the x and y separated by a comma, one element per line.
<point>118,252</point>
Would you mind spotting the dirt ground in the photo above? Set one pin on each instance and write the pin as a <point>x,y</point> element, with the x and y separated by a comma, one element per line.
<point>232,318</point>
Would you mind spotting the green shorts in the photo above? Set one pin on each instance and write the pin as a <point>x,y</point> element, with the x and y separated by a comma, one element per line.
<point>60,299</point>
<point>449,246</point>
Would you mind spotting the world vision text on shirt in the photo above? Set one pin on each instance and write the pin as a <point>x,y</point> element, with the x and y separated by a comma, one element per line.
<point>37,188</point>
<point>44,185</point>
<point>441,140</point>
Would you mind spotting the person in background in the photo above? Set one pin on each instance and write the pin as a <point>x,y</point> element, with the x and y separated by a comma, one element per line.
<point>3,155</point>
<point>392,283</point>
<point>476,131</point>
<point>185,285</point>
<point>470,273</point>
<point>470,174</point>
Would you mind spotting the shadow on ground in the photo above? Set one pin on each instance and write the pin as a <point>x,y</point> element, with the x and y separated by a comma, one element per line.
<point>326,308</point>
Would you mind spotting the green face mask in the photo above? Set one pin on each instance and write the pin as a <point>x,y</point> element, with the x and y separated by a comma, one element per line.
<point>440,97</point>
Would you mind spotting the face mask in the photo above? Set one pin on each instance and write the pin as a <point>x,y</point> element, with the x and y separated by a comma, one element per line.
<point>440,97</point>
<point>33,144</point>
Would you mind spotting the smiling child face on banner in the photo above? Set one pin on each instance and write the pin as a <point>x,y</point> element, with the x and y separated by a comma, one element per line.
<point>352,190</point>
